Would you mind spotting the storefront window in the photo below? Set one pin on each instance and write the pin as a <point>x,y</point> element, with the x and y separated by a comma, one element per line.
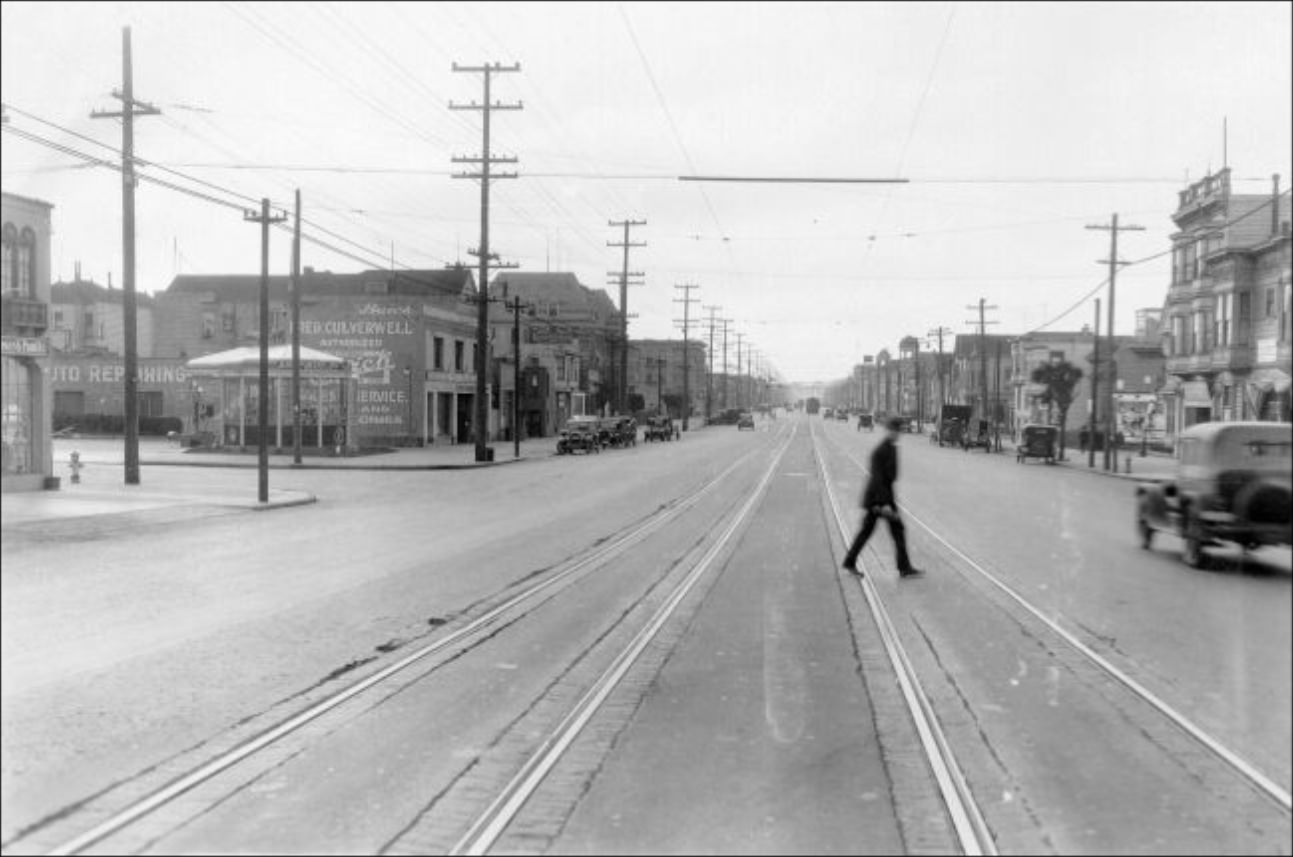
<point>16,421</point>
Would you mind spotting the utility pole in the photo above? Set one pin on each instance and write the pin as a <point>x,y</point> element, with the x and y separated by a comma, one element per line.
<point>262,393</point>
<point>296,334</point>
<point>983,354</point>
<point>129,109</point>
<point>516,306</point>
<point>726,322</point>
<point>739,337</point>
<point>940,331</point>
<point>686,300</point>
<point>481,417</point>
<point>1095,387</point>
<point>1113,229</point>
<point>709,382</point>
<point>622,379</point>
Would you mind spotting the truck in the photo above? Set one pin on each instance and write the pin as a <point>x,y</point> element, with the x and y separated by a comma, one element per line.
<point>813,405</point>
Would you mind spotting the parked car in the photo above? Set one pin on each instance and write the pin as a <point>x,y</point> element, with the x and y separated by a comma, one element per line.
<point>827,413</point>
<point>1038,441</point>
<point>658,428</point>
<point>1233,484</point>
<point>621,430</point>
<point>745,421</point>
<point>581,434</point>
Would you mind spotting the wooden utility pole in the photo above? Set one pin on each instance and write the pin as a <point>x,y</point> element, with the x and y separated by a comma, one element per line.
<point>129,109</point>
<point>942,389</point>
<point>622,378</point>
<point>262,394</point>
<point>481,410</point>
<point>1113,229</point>
<point>1095,386</point>
<point>709,382</point>
<point>725,322</point>
<point>296,333</point>
<point>983,354</point>
<point>739,337</point>
<point>686,300</point>
<point>516,306</point>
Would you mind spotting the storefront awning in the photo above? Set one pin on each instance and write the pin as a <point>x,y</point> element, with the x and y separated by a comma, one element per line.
<point>1195,394</point>
<point>246,361</point>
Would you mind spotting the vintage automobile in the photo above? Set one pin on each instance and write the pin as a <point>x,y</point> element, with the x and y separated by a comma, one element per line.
<point>977,433</point>
<point>621,430</point>
<point>658,428</point>
<point>746,421</point>
<point>581,434</point>
<point>1038,441</point>
<point>1232,484</point>
<point>866,421</point>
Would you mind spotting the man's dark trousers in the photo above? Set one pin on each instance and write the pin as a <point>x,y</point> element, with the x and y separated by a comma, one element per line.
<point>896,529</point>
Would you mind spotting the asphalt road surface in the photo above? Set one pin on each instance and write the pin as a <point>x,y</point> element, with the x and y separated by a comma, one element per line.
<point>648,650</point>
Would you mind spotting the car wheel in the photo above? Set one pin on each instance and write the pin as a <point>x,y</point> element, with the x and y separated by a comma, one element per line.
<point>1193,552</point>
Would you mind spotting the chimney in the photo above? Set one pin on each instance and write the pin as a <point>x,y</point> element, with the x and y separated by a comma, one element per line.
<point>109,279</point>
<point>78,273</point>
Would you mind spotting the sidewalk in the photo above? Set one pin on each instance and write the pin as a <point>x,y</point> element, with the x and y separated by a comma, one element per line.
<point>155,451</point>
<point>173,487</point>
<point>1154,467</point>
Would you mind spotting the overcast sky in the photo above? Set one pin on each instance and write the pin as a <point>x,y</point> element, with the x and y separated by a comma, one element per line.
<point>1017,124</point>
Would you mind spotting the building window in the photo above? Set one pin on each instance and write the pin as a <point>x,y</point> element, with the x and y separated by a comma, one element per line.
<point>208,325</point>
<point>457,355</point>
<point>1270,302</point>
<point>227,319</point>
<point>8,276</point>
<point>1223,321</point>
<point>437,353</point>
<point>1243,318</point>
<point>150,404</point>
<point>27,264</point>
<point>16,416</point>
<point>278,323</point>
<point>1286,322</point>
<point>561,369</point>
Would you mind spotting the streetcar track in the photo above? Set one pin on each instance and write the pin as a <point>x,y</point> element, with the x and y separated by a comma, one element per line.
<point>1246,770</point>
<point>492,823</point>
<point>971,830</point>
<point>606,549</point>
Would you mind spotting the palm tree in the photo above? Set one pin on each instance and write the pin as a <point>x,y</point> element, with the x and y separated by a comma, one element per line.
<point>1060,379</point>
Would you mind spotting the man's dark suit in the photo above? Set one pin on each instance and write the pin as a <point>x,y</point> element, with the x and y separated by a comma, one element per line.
<point>877,496</point>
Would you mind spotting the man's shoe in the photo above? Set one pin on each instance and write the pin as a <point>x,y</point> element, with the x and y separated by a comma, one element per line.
<point>910,572</point>
<point>853,569</point>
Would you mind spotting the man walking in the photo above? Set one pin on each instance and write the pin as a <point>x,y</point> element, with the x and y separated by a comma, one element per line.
<point>878,500</point>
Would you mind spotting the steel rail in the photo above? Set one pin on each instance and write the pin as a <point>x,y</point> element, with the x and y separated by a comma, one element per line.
<point>499,814</point>
<point>1242,766</point>
<point>211,768</point>
<point>971,829</point>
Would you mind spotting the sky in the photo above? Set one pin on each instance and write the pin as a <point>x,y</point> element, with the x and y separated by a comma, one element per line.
<point>1015,125</point>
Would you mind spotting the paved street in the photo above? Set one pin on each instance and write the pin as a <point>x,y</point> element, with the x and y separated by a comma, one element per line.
<point>759,715</point>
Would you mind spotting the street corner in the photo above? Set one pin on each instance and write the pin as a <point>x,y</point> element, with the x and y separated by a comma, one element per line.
<point>282,500</point>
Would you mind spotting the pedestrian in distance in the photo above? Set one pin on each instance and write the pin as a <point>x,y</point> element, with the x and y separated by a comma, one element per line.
<point>879,502</point>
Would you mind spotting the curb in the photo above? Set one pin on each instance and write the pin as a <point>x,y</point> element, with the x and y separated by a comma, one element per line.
<point>303,466</point>
<point>283,504</point>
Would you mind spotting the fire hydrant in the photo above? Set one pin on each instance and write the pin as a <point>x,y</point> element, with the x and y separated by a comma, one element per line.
<point>75,465</point>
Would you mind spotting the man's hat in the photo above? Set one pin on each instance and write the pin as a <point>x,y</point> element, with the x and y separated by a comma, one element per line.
<point>893,423</point>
